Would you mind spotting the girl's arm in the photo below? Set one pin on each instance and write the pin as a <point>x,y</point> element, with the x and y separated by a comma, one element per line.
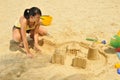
<point>23,33</point>
<point>36,36</point>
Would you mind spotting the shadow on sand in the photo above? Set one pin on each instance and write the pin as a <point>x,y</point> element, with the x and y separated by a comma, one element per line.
<point>110,50</point>
<point>14,46</point>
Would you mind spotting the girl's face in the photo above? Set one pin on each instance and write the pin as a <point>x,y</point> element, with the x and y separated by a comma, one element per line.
<point>35,18</point>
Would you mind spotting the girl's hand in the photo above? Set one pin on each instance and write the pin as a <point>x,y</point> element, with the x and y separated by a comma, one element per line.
<point>37,48</point>
<point>30,55</point>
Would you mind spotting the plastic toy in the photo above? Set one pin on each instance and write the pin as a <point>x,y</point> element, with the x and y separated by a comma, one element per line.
<point>118,54</point>
<point>117,49</point>
<point>118,70</point>
<point>118,33</point>
<point>46,20</point>
<point>103,42</point>
<point>95,40</point>
<point>115,41</point>
<point>90,39</point>
<point>117,65</point>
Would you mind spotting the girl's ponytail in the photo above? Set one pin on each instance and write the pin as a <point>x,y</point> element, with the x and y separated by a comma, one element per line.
<point>32,12</point>
<point>27,13</point>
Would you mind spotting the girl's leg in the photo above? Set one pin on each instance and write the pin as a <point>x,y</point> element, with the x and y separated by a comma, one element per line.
<point>16,39</point>
<point>16,35</point>
<point>42,31</point>
<point>32,36</point>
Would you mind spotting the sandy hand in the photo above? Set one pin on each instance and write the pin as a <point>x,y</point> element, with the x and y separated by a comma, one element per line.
<point>29,55</point>
<point>37,48</point>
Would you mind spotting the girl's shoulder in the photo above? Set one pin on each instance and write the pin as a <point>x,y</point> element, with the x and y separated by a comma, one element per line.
<point>22,20</point>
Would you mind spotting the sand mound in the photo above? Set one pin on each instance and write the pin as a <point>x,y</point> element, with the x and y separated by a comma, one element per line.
<point>19,67</point>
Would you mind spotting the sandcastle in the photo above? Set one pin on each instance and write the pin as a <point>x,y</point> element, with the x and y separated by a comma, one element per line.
<point>93,52</point>
<point>74,49</point>
<point>79,62</point>
<point>58,58</point>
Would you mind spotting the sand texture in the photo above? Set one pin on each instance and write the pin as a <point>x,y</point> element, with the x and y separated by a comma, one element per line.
<point>66,54</point>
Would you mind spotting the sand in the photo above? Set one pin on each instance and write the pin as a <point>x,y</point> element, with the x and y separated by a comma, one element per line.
<point>73,22</point>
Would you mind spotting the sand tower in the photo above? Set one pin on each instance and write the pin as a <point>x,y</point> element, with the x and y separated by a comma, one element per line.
<point>79,62</point>
<point>93,53</point>
<point>58,57</point>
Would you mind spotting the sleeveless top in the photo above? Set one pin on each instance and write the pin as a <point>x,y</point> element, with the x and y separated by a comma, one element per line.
<point>18,25</point>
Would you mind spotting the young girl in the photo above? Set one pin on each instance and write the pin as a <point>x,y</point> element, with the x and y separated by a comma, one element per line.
<point>28,23</point>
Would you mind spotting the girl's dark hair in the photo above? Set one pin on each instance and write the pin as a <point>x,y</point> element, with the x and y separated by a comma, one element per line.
<point>32,12</point>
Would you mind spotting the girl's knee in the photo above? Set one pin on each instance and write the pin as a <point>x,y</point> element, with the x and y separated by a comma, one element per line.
<point>45,32</point>
<point>42,32</point>
<point>17,38</point>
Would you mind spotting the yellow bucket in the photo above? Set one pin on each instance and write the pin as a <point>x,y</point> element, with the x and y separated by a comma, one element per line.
<point>46,20</point>
<point>117,65</point>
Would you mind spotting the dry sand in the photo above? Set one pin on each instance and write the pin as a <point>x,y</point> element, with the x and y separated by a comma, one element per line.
<point>73,21</point>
